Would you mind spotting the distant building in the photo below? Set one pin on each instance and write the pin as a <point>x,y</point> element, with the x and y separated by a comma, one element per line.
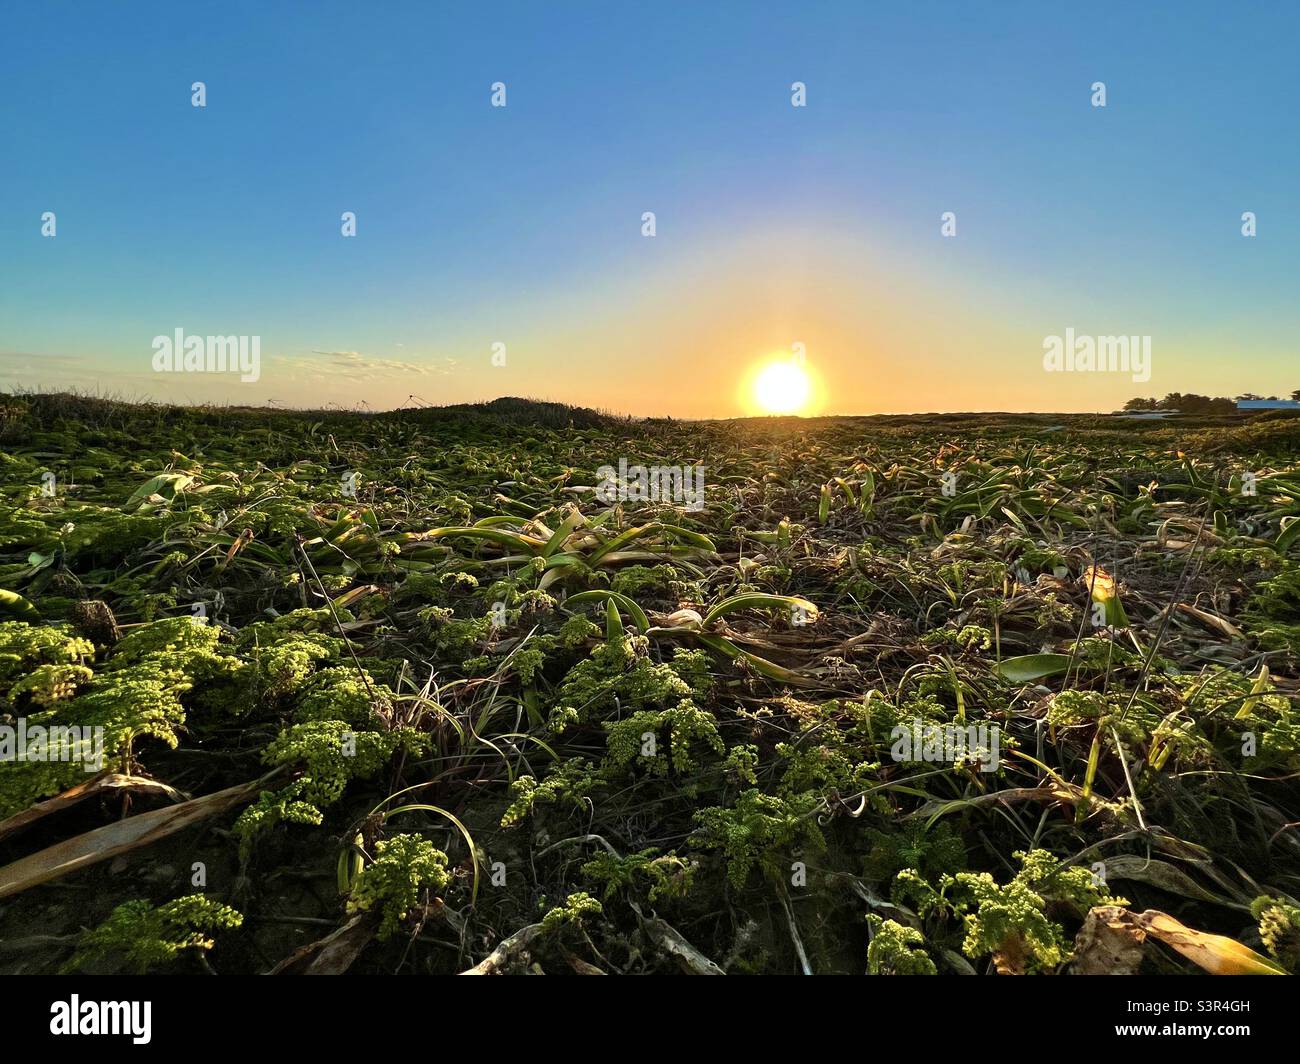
<point>1267,404</point>
<point>1145,415</point>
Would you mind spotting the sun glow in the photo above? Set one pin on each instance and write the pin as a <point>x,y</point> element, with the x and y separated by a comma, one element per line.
<point>782,387</point>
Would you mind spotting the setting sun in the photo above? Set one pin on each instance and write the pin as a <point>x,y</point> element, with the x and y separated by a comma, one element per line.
<point>782,388</point>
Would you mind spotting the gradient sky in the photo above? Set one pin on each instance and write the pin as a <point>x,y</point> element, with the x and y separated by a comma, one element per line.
<point>775,224</point>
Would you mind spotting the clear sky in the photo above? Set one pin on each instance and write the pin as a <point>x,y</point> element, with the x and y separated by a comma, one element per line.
<point>775,224</point>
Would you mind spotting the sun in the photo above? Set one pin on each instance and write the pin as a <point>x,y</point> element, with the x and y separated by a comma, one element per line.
<point>782,387</point>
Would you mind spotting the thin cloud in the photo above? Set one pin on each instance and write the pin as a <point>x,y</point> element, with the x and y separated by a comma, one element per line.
<point>354,365</point>
<point>29,360</point>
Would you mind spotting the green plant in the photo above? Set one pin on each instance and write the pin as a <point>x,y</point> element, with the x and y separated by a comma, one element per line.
<point>1011,921</point>
<point>146,937</point>
<point>1279,929</point>
<point>893,949</point>
<point>759,830</point>
<point>404,868</point>
<point>662,876</point>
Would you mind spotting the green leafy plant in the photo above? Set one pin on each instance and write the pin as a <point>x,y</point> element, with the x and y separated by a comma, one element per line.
<point>1279,929</point>
<point>894,949</point>
<point>759,830</point>
<point>147,937</point>
<point>405,867</point>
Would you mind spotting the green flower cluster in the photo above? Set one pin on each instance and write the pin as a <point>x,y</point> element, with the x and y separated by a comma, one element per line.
<point>576,908</point>
<point>569,784</point>
<point>1279,929</point>
<point>1013,921</point>
<point>619,673</point>
<point>139,689</point>
<point>338,729</point>
<point>331,754</point>
<point>404,866</point>
<point>894,949</point>
<point>687,727</point>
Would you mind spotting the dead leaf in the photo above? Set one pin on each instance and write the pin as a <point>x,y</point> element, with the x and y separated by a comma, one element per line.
<point>671,942</point>
<point>506,949</point>
<point>1159,874</point>
<point>1062,792</point>
<point>1009,958</point>
<point>108,782</point>
<point>1107,943</point>
<point>121,836</point>
<point>1217,954</point>
<point>1212,621</point>
<point>335,953</point>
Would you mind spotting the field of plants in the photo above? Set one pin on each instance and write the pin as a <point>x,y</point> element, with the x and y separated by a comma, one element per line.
<point>404,693</point>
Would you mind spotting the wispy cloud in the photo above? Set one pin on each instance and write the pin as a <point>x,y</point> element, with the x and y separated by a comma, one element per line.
<point>321,373</point>
<point>354,365</point>
<point>28,360</point>
<point>26,369</point>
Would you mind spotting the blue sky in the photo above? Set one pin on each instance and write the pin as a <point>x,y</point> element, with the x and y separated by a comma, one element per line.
<point>775,224</point>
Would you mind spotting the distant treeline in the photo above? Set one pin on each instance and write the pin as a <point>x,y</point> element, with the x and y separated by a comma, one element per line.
<point>1191,403</point>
